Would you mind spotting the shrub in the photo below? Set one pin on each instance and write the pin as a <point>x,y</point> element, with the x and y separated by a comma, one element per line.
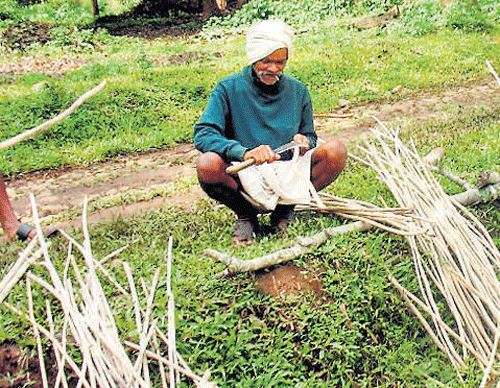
<point>470,17</point>
<point>421,18</point>
<point>296,11</point>
<point>22,35</point>
<point>25,3</point>
<point>426,16</point>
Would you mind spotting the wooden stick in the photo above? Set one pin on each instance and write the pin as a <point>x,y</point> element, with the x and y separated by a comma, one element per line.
<point>144,344</point>
<point>333,115</point>
<point>19,268</point>
<point>234,169</point>
<point>35,131</point>
<point>171,316</point>
<point>164,338</point>
<point>41,358</point>
<point>61,377</point>
<point>47,334</point>
<point>458,245</point>
<point>492,359</point>
<point>156,346</point>
<point>135,298</point>
<point>495,75</point>
<point>89,318</point>
<point>164,361</point>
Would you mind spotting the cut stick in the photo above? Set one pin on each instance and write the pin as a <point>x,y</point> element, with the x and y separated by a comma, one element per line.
<point>459,257</point>
<point>39,129</point>
<point>492,359</point>
<point>303,246</point>
<point>164,361</point>
<point>19,268</point>
<point>156,347</point>
<point>54,342</point>
<point>171,316</point>
<point>41,358</point>
<point>492,70</point>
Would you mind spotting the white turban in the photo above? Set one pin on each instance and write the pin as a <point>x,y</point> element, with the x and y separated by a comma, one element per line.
<point>266,37</point>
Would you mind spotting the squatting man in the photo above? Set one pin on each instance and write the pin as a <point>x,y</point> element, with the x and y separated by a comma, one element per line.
<point>247,116</point>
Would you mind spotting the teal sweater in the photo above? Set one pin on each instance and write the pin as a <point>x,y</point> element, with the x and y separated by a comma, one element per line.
<point>243,113</point>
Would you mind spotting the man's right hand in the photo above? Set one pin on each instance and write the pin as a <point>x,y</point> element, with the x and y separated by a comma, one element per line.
<point>261,154</point>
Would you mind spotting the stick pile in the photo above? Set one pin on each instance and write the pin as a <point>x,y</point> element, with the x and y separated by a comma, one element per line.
<point>456,261</point>
<point>86,341</point>
<point>395,220</point>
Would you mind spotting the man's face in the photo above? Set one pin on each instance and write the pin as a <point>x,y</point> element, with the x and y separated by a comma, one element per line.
<point>269,69</point>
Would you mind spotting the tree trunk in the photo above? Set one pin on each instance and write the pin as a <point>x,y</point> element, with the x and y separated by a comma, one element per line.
<point>95,7</point>
<point>213,7</point>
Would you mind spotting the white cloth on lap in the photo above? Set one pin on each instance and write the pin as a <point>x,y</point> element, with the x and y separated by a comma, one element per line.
<point>279,182</point>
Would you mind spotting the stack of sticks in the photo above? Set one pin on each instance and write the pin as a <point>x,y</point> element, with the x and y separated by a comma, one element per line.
<point>86,340</point>
<point>456,261</point>
<point>395,220</point>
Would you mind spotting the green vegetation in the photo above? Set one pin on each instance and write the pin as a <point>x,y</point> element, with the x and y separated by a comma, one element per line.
<point>156,91</point>
<point>158,88</point>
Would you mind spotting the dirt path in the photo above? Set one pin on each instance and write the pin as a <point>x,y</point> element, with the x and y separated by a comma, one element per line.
<point>62,192</point>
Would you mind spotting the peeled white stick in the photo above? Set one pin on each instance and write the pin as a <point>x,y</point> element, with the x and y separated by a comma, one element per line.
<point>492,359</point>
<point>61,116</point>
<point>493,71</point>
<point>26,259</point>
<point>171,316</point>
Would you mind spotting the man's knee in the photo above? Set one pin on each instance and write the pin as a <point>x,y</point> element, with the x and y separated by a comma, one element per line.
<point>209,167</point>
<point>334,153</point>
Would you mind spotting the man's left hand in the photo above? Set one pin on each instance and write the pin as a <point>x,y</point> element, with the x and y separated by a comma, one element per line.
<point>299,138</point>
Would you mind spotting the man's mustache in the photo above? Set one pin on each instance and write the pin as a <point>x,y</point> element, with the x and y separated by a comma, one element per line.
<point>269,74</point>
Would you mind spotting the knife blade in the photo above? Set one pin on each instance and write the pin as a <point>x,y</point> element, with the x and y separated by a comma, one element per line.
<point>288,146</point>
<point>285,147</point>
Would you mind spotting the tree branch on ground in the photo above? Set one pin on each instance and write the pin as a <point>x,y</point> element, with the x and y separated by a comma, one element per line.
<point>46,125</point>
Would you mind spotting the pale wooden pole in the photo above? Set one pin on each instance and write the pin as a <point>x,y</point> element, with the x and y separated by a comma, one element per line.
<point>46,125</point>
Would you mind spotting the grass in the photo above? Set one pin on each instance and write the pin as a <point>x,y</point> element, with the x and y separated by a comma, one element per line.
<point>152,101</point>
<point>246,338</point>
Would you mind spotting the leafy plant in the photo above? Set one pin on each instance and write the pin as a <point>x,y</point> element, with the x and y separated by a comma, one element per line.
<point>22,35</point>
<point>469,16</point>
<point>425,16</point>
<point>422,17</point>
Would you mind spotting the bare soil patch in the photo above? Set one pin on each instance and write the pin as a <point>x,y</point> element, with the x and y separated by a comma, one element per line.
<point>289,280</point>
<point>50,66</point>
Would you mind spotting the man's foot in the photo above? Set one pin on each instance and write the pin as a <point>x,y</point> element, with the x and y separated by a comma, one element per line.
<point>26,231</point>
<point>282,217</point>
<point>244,230</point>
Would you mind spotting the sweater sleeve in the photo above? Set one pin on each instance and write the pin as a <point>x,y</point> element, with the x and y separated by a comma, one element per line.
<point>213,132</point>
<point>307,123</point>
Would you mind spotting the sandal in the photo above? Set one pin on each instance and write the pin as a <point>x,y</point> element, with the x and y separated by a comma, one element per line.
<point>24,230</point>
<point>244,231</point>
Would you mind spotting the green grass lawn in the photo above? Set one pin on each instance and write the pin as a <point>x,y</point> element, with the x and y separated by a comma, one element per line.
<point>152,101</point>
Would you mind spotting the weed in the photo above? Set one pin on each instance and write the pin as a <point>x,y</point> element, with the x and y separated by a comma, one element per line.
<point>22,35</point>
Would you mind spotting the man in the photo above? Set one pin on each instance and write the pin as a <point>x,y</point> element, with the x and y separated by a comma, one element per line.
<point>248,115</point>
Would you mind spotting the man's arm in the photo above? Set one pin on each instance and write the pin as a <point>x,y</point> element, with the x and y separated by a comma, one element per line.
<point>212,132</point>
<point>306,133</point>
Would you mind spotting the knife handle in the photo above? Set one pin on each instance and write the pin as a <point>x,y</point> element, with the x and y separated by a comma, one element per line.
<point>238,167</point>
